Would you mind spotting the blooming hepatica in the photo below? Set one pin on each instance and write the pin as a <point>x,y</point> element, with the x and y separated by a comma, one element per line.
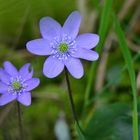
<point>16,84</point>
<point>64,46</point>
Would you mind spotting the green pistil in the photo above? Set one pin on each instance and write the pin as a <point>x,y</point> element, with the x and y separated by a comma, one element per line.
<point>16,85</point>
<point>63,47</point>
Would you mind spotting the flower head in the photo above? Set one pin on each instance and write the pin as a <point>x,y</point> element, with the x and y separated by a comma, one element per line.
<point>63,46</point>
<point>16,85</point>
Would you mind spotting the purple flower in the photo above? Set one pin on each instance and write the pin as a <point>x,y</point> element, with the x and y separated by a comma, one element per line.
<point>16,84</point>
<point>64,46</point>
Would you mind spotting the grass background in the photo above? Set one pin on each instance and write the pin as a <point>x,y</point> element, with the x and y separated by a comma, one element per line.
<point>103,97</point>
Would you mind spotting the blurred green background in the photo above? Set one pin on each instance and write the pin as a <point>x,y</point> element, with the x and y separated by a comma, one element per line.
<point>106,88</point>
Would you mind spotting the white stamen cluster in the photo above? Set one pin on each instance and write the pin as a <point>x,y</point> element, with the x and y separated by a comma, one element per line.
<point>66,40</point>
<point>16,86</point>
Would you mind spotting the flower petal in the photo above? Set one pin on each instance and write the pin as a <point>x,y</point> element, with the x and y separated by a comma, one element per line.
<point>49,28</point>
<point>32,83</point>
<point>39,47</point>
<point>87,41</point>
<point>6,98</point>
<point>75,67</point>
<point>3,87</point>
<point>52,67</point>
<point>25,98</point>
<point>86,54</point>
<point>4,76</point>
<point>10,69</point>
<point>72,24</point>
<point>25,73</point>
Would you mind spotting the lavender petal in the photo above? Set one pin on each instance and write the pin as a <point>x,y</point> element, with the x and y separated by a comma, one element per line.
<point>3,87</point>
<point>6,98</point>
<point>25,73</point>
<point>87,41</point>
<point>72,24</point>
<point>32,83</point>
<point>4,76</point>
<point>49,28</point>
<point>39,47</point>
<point>75,67</point>
<point>52,67</point>
<point>10,69</point>
<point>25,98</point>
<point>85,54</point>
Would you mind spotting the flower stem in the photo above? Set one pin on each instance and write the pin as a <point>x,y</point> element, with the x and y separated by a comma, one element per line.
<point>20,121</point>
<point>71,99</point>
<point>135,118</point>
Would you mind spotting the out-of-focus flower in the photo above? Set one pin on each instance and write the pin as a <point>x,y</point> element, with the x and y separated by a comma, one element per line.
<point>64,46</point>
<point>16,85</point>
<point>61,128</point>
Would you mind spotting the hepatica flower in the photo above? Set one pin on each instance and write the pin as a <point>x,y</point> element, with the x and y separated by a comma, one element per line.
<point>16,85</point>
<point>63,46</point>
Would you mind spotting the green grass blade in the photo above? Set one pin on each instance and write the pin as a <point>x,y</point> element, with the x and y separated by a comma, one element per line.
<point>128,60</point>
<point>136,57</point>
<point>105,18</point>
<point>80,133</point>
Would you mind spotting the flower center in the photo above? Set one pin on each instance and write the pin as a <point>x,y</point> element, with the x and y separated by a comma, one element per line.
<point>16,85</point>
<point>63,47</point>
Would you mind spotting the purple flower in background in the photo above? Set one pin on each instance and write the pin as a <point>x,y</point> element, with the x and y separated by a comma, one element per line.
<point>16,85</point>
<point>64,46</point>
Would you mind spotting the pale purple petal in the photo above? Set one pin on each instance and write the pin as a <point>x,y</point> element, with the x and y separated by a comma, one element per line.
<point>39,47</point>
<point>25,98</point>
<point>86,54</point>
<point>32,83</point>
<point>3,87</point>
<point>49,28</point>
<point>75,67</point>
<point>25,73</point>
<point>52,67</point>
<point>10,69</point>
<point>6,98</point>
<point>4,76</point>
<point>87,40</point>
<point>72,24</point>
